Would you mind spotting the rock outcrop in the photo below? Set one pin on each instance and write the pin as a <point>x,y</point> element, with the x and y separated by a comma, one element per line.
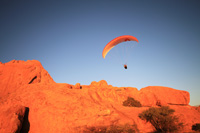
<point>78,86</point>
<point>35,103</point>
<point>12,118</point>
<point>154,95</point>
<point>18,73</point>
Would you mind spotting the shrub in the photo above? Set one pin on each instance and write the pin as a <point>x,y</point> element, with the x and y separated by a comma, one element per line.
<point>196,127</point>
<point>113,129</point>
<point>131,102</point>
<point>161,118</point>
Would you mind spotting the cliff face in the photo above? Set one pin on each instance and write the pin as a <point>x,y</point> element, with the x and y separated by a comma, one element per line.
<point>31,101</point>
<point>15,74</point>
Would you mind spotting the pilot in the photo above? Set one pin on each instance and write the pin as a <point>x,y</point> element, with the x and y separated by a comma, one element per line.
<point>125,66</point>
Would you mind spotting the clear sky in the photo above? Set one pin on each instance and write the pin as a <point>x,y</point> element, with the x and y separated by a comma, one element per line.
<point>68,37</point>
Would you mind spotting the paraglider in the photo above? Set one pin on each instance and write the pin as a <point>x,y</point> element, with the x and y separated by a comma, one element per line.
<point>115,42</point>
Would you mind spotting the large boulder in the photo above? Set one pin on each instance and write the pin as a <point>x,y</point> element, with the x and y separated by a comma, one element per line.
<point>159,95</point>
<point>78,86</point>
<point>11,118</point>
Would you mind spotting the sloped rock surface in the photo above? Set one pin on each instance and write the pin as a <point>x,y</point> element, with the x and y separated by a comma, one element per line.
<point>187,115</point>
<point>18,73</point>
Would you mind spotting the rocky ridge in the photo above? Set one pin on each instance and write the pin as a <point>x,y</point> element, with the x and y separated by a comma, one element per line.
<point>31,101</point>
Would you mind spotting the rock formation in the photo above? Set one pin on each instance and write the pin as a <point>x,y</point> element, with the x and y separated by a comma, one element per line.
<point>30,101</point>
<point>12,117</point>
<point>154,94</point>
<point>15,74</point>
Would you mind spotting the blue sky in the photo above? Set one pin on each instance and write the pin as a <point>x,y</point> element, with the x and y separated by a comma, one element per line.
<point>68,37</point>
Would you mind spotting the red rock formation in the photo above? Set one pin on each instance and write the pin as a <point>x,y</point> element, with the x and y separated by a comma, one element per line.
<point>18,73</point>
<point>11,118</point>
<point>59,107</point>
<point>152,95</point>
<point>78,86</point>
<point>198,108</point>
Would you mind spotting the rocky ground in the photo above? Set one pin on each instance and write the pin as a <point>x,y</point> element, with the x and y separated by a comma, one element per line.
<point>30,101</point>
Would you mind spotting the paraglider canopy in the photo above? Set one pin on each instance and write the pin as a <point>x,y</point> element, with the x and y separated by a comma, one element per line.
<point>116,41</point>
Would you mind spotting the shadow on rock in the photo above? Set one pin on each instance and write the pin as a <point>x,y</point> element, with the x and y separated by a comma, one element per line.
<point>26,124</point>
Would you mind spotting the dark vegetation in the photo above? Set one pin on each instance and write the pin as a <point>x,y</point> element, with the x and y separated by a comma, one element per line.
<point>196,127</point>
<point>162,119</point>
<point>112,129</point>
<point>131,102</point>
